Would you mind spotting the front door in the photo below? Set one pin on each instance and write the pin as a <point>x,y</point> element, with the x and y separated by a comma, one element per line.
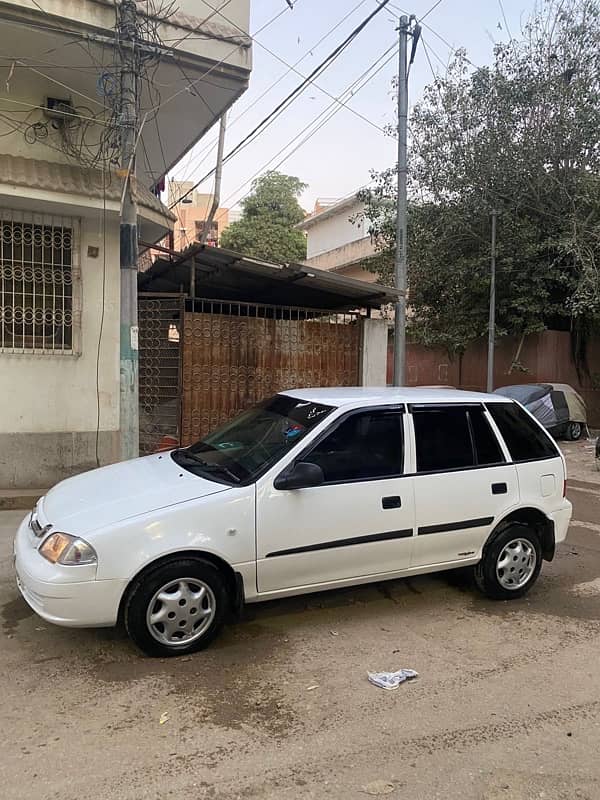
<point>358,523</point>
<point>463,484</point>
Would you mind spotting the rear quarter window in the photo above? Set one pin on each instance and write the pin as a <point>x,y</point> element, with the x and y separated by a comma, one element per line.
<point>525,438</point>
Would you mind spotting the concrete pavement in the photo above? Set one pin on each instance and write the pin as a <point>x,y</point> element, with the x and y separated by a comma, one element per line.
<point>507,706</point>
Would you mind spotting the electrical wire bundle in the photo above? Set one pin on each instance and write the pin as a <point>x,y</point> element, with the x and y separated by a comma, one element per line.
<point>91,137</point>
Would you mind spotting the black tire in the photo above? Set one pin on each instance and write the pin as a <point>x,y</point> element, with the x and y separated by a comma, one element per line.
<point>486,576</point>
<point>574,431</point>
<point>148,584</point>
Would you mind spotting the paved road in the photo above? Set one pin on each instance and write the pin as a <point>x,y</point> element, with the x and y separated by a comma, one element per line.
<point>507,706</point>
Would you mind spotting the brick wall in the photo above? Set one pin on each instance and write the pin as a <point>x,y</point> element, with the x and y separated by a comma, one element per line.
<point>546,356</point>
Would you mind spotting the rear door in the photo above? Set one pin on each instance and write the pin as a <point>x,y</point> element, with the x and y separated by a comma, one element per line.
<point>463,483</point>
<point>539,464</point>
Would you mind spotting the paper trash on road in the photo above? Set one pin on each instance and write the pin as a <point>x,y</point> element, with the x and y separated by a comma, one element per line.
<point>378,788</point>
<point>391,680</point>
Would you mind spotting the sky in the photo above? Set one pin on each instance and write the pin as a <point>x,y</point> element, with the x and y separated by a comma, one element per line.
<point>338,158</point>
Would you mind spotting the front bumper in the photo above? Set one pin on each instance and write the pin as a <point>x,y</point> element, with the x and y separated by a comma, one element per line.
<point>68,596</point>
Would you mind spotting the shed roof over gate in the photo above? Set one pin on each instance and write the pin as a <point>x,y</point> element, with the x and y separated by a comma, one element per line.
<point>224,275</point>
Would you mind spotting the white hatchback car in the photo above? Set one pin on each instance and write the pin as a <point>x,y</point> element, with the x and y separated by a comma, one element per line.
<point>312,489</point>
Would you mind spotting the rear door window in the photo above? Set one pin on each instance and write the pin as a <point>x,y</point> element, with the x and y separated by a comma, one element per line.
<point>454,437</point>
<point>525,438</point>
<point>443,438</point>
<point>487,447</point>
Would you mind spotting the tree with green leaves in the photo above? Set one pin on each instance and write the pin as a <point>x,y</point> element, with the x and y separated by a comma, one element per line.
<point>270,212</point>
<point>521,136</point>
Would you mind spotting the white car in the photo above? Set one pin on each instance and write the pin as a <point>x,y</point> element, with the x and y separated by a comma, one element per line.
<point>312,489</point>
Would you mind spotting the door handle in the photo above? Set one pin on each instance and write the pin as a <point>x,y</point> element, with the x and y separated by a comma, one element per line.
<point>499,488</point>
<point>391,502</point>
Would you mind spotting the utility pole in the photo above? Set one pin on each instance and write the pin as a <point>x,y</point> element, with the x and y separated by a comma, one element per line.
<point>218,175</point>
<point>400,265</point>
<point>129,360</point>
<point>400,271</point>
<point>492,320</point>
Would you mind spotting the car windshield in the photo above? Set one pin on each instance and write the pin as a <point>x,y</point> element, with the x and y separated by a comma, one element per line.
<point>242,449</point>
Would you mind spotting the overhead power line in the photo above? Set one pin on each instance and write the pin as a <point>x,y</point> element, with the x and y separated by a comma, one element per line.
<point>222,61</point>
<point>266,121</point>
<point>321,119</point>
<point>427,48</point>
<point>300,74</point>
<point>432,9</point>
<point>450,47</point>
<point>204,21</point>
<point>504,18</point>
<point>209,147</point>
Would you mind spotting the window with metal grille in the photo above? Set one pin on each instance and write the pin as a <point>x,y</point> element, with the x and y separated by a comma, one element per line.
<point>39,283</point>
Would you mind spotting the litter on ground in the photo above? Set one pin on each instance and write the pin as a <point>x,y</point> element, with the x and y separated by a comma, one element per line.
<point>391,680</point>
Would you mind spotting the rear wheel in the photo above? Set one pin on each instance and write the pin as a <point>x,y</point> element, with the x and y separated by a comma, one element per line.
<point>574,431</point>
<point>511,563</point>
<point>177,608</point>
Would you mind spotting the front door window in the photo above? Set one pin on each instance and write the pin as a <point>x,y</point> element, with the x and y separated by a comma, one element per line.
<point>364,446</point>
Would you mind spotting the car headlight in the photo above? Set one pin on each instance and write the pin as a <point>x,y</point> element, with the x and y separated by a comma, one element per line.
<point>62,548</point>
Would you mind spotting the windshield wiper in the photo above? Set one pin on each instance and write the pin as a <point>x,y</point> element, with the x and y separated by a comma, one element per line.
<point>183,451</point>
<point>206,466</point>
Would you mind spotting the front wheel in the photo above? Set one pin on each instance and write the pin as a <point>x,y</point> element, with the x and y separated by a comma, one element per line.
<point>510,564</point>
<point>177,608</point>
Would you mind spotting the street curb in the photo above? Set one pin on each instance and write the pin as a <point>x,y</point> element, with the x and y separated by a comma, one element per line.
<point>19,502</point>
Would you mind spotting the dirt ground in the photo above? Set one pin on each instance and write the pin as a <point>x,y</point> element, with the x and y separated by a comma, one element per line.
<point>507,705</point>
<point>581,459</point>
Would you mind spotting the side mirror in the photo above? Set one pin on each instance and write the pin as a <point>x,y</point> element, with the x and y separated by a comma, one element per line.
<point>300,476</point>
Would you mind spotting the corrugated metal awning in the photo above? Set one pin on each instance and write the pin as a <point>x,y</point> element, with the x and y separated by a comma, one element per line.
<point>224,275</point>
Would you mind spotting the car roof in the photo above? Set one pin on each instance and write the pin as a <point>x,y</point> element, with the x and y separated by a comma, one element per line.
<point>390,395</point>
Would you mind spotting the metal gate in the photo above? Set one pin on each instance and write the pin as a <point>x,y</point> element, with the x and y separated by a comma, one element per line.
<point>200,368</point>
<point>235,354</point>
<point>160,326</point>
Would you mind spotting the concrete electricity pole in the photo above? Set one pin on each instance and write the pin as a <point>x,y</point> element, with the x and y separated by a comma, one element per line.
<point>129,362</point>
<point>492,320</point>
<point>218,175</point>
<point>400,265</point>
<point>401,210</point>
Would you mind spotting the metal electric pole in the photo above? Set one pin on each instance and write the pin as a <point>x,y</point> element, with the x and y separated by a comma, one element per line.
<point>218,175</point>
<point>129,362</point>
<point>492,320</point>
<point>400,265</point>
<point>401,218</point>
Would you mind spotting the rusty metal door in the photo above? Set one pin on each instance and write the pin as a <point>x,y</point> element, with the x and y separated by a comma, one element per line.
<point>234,355</point>
<point>160,326</point>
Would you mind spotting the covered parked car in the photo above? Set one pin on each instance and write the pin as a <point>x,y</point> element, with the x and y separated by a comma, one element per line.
<point>559,408</point>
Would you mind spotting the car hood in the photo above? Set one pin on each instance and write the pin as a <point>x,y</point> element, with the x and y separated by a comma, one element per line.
<point>111,494</point>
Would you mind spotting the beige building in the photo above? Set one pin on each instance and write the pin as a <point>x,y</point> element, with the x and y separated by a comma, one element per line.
<point>338,238</point>
<point>191,214</point>
<point>60,205</point>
